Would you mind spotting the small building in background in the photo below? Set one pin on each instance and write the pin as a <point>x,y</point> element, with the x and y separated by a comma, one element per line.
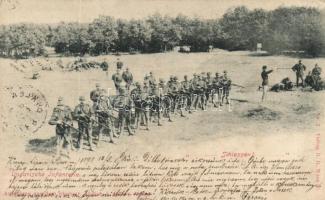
<point>259,47</point>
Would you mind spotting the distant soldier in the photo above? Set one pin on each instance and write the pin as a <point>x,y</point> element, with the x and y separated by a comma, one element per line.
<point>117,79</point>
<point>84,114</point>
<point>186,90</point>
<point>125,106</point>
<point>226,86</point>
<point>299,68</point>
<point>103,110</point>
<point>201,88</point>
<point>316,70</point>
<point>104,66</point>
<point>95,94</point>
<point>137,98</point>
<point>218,90</point>
<point>209,84</point>
<point>62,119</point>
<point>162,87</point>
<point>265,80</point>
<point>151,79</point>
<point>119,64</point>
<point>128,78</point>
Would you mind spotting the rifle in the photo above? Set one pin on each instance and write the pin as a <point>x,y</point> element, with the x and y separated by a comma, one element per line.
<point>234,84</point>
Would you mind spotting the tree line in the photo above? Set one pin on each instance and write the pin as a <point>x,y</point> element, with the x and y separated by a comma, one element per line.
<point>282,29</point>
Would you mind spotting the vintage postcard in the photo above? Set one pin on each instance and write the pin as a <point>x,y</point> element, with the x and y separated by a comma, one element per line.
<point>162,99</point>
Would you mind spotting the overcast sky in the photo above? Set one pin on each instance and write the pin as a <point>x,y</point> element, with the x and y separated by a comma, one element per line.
<point>53,11</point>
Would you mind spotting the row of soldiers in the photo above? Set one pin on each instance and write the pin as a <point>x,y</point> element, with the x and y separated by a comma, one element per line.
<point>132,105</point>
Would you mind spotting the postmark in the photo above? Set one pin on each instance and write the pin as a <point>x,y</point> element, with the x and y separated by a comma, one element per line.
<point>24,109</point>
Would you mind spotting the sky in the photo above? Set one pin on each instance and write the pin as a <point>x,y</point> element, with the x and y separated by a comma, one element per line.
<point>54,11</point>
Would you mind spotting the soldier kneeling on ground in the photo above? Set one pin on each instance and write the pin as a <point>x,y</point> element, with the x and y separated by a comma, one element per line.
<point>285,85</point>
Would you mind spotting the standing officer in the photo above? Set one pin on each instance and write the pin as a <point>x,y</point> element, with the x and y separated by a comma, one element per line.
<point>226,86</point>
<point>62,119</point>
<point>151,79</point>
<point>117,79</point>
<point>299,68</point>
<point>128,78</point>
<point>265,80</point>
<point>218,90</point>
<point>119,64</point>
<point>84,114</point>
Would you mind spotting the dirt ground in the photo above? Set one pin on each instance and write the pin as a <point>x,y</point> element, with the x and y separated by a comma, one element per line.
<point>285,118</point>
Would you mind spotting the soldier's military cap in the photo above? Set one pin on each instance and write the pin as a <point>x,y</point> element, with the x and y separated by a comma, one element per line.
<point>81,98</point>
<point>161,80</point>
<point>60,99</point>
<point>264,67</point>
<point>97,85</point>
<point>209,73</point>
<point>225,71</point>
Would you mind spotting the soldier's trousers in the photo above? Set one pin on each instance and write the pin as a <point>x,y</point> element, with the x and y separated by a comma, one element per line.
<point>85,129</point>
<point>63,134</point>
<point>299,77</point>
<point>124,120</point>
<point>105,123</point>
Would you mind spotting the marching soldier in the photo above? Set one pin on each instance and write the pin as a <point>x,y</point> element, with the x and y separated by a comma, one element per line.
<point>226,86</point>
<point>103,111</point>
<point>299,69</point>
<point>95,94</point>
<point>84,114</point>
<point>117,79</point>
<point>62,119</point>
<point>125,106</point>
<point>128,78</point>
<point>119,64</point>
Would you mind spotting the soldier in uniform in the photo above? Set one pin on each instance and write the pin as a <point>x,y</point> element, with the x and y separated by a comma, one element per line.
<point>201,87</point>
<point>95,94</point>
<point>194,94</point>
<point>103,111</point>
<point>125,106</point>
<point>209,85</point>
<point>186,90</point>
<point>62,119</point>
<point>265,80</point>
<point>117,79</point>
<point>84,114</point>
<point>218,90</point>
<point>151,79</point>
<point>104,66</point>
<point>226,87</point>
<point>137,99</point>
<point>119,64</point>
<point>128,78</point>
<point>299,68</point>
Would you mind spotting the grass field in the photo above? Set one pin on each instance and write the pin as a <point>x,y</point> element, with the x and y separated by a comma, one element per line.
<point>283,115</point>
